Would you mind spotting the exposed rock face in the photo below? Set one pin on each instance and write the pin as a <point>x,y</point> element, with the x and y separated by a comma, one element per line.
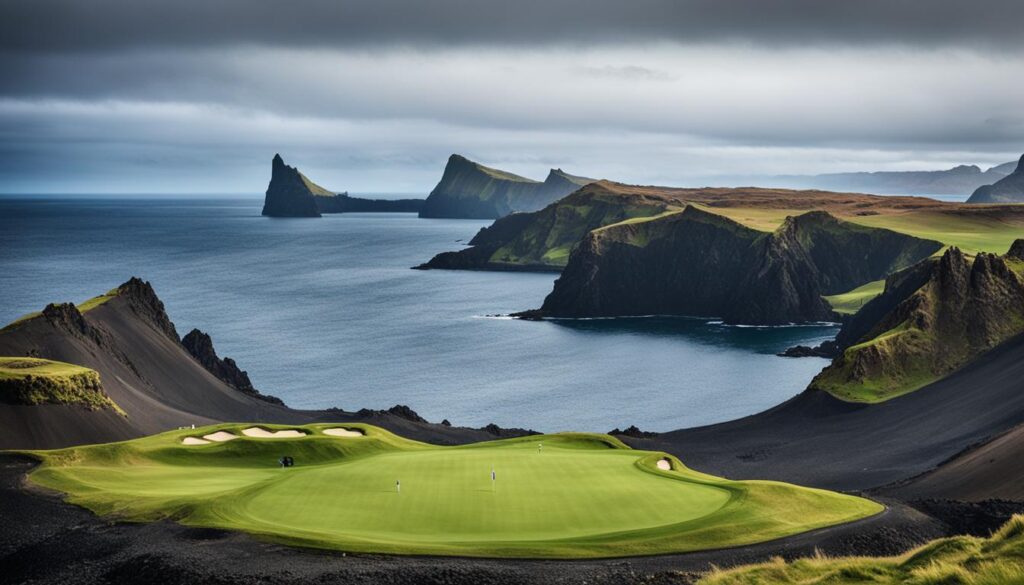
<point>143,300</point>
<point>931,319</point>
<point>697,263</point>
<point>200,345</point>
<point>289,194</point>
<point>469,190</point>
<point>1009,189</point>
<point>542,240</point>
<point>292,194</point>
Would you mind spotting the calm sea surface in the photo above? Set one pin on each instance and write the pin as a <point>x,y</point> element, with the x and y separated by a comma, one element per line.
<point>327,313</point>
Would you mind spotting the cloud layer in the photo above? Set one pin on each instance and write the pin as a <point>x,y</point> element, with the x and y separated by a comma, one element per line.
<point>171,97</point>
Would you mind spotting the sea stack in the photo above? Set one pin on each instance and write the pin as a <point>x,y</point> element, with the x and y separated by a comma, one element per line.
<point>290,193</point>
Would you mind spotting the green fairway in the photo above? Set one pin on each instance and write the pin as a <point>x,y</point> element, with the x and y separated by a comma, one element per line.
<point>580,495</point>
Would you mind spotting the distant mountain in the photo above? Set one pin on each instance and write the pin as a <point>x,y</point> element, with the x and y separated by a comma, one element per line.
<point>292,194</point>
<point>469,190</point>
<point>1009,189</point>
<point>959,180</point>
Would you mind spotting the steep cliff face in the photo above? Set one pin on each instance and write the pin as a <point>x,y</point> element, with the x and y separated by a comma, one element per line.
<point>698,263</point>
<point>932,319</point>
<point>1009,189</point>
<point>34,381</point>
<point>469,190</point>
<point>542,240</point>
<point>200,345</point>
<point>290,193</point>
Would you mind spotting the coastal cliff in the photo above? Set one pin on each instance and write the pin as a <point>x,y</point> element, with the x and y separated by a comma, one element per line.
<point>292,194</point>
<point>469,190</point>
<point>697,263</point>
<point>541,240</point>
<point>931,319</point>
<point>1009,189</point>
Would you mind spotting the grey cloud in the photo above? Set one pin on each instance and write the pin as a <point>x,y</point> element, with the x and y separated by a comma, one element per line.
<point>57,25</point>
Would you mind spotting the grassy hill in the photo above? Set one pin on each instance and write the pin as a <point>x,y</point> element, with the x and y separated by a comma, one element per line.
<point>930,320</point>
<point>579,495</point>
<point>959,560</point>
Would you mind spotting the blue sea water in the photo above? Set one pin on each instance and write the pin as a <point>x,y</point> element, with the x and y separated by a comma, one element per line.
<point>326,312</point>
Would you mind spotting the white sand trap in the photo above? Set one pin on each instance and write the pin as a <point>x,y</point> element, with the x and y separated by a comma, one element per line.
<point>664,464</point>
<point>259,433</point>
<point>339,432</point>
<point>194,441</point>
<point>220,436</point>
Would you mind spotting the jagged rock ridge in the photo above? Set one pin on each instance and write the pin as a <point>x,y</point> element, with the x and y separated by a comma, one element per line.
<point>697,263</point>
<point>469,190</point>
<point>931,319</point>
<point>200,346</point>
<point>1009,189</point>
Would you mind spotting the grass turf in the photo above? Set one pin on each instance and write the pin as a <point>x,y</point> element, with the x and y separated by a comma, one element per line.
<point>959,560</point>
<point>582,495</point>
<point>850,302</point>
<point>27,380</point>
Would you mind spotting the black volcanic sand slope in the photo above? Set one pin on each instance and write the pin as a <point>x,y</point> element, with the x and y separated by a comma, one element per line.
<point>816,439</point>
<point>292,194</point>
<point>931,319</point>
<point>1009,189</point>
<point>697,263</point>
<point>469,190</point>
<point>144,369</point>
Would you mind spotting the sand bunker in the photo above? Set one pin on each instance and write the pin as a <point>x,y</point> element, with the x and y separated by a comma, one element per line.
<point>259,433</point>
<point>194,441</point>
<point>220,436</point>
<point>339,432</point>
<point>665,464</point>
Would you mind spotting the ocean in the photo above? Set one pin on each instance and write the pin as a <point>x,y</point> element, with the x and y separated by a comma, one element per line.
<point>326,312</point>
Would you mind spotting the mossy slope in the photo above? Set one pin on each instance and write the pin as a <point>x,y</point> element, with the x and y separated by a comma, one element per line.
<point>932,319</point>
<point>26,380</point>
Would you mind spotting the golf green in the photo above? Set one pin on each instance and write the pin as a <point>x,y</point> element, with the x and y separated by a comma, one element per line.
<point>556,496</point>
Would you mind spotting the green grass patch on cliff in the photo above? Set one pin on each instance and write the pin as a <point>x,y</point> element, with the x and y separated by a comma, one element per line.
<point>579,495</point>
<point>959,560</point>
<point>850,302</point>
<point>27,380</point>
<point>83,307</point>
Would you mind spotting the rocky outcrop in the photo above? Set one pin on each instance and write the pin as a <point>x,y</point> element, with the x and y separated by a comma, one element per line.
<point>931,320</point>
<point>469,190</point>
<point>697,263</point>
<point>1009,189</point>
<point>33,381</point>
<point>542,240</point>
<point>142,299</point>
<point>292,194</point>
<point>200,346</point>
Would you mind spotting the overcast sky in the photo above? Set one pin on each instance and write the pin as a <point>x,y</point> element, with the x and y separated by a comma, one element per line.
<point>162,96</point>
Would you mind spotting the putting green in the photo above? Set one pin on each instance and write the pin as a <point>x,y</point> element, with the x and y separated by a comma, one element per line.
<point>580,495</point>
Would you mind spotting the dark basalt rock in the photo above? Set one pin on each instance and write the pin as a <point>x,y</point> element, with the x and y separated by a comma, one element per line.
<point>1009,189</point>
<point>142,299</point>
<point>288,194</point>
<point>345,203</point>
<point>633,432</point>
<point>973,518</point>
<point>200,346</point>
<point>827,349</point>
<point>697,263</point>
